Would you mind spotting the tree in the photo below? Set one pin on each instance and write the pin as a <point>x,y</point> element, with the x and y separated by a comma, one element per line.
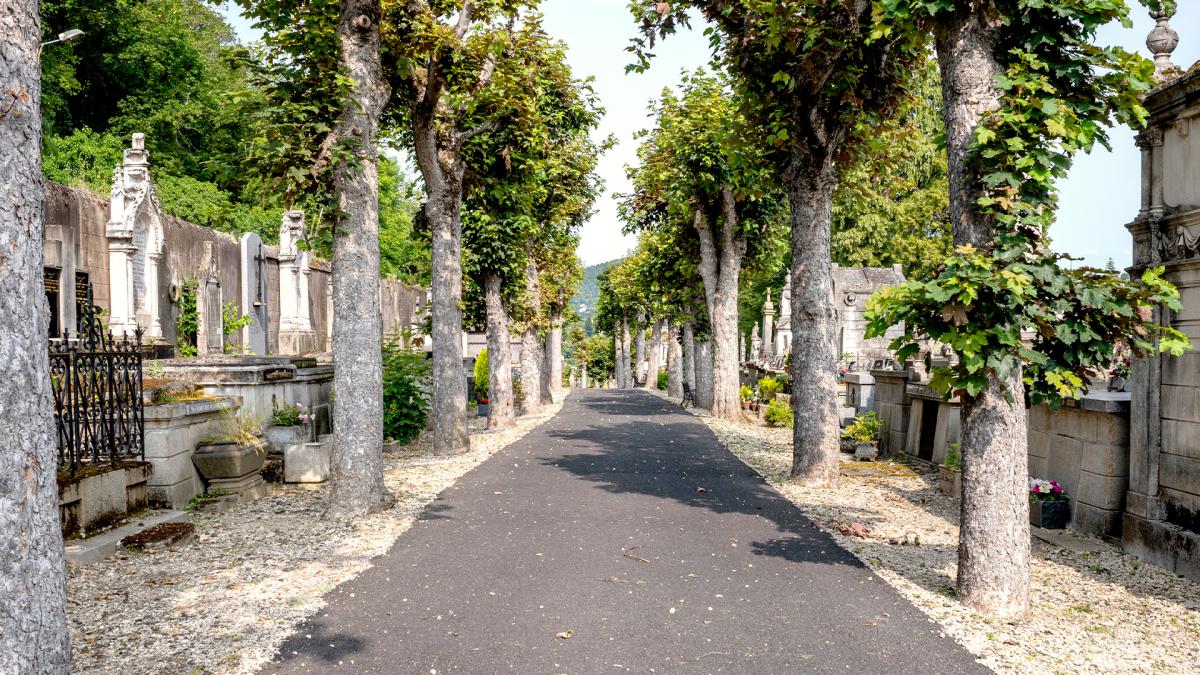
<point>816,76</point>
<point>704,177</point>
<point>357,463</point>
<point>33,593</point>
<point>444,56</point>
<point>1025,89</point>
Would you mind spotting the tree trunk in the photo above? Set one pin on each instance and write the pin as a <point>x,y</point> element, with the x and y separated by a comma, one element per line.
<point>554,360</point>
<point>531,346</point>
<point>618,349</point>
<point>720,270</point>
<point>356,468</point>
<point>33,591</point>
<point>654,358</point>
<point>626,356</point>
<point>640,344</point>
<point>815,433</point>
<point>704,375</point>
<point>689,356</point>
<point>993,549</point>
<point>674,364</point>
<point>501,414</point>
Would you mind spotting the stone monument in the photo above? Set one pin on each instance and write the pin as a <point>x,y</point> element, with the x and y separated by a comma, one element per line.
<point>254,293</point>
<point>296,334</point>
<point>135,245</point>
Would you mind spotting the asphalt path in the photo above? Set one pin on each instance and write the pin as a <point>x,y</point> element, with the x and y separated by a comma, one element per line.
<point>619,536</point>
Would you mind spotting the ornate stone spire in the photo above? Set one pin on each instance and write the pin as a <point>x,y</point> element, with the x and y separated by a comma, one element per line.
<point>1162,41</point>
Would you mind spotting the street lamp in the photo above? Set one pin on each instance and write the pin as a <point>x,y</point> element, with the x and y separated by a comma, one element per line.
<point>65,36</point>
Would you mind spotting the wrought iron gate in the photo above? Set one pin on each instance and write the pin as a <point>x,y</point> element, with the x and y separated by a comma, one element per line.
<point>97,385</point>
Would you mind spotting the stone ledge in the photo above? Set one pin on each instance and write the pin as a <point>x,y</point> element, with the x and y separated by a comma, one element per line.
<point>95,549</point>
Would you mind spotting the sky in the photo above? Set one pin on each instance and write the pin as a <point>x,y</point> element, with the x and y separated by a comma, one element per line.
<point>1099,197</point>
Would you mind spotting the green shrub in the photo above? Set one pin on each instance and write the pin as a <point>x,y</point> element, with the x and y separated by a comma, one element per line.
<point>747,393</point>
<point>953,458</point>
<point>663,380</point>
<point>778,414</point>
<point>768,387</point>
<point>481,376</point>
<point>187,324</point>
<point>864,428</point>
<point>406,375</point>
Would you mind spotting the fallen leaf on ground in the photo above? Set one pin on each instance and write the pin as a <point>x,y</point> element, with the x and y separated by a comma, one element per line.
<point>565,635</point>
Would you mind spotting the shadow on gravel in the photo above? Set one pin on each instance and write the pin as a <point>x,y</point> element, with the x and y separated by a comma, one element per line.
<point>679,459</point>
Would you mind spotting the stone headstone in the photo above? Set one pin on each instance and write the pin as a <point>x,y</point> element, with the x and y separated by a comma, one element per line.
<point>254,293</point>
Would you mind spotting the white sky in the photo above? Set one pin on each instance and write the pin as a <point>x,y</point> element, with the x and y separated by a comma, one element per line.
<point>1098,198</point>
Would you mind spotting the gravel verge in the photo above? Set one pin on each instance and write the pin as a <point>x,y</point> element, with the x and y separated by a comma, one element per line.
<point>225,603</point>
<point>1094,610</point>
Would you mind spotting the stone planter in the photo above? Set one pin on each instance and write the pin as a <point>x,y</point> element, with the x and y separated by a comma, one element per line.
<point>950,481</point>
<point>231,467</point>
<point>848,444</point>
<point>865,452</point>
<point>1050,515</point>
<point>483,409</point>
<point>282,437</point>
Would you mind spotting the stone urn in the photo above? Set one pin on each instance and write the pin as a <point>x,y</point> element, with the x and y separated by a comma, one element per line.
<point>231,467</point>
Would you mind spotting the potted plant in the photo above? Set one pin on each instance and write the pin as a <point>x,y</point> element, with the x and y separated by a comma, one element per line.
<point>746,393</point>
<point>1120,373</point>
<point>290,425</point>
<point>864,432</point>
<point>950,472</point>
<point>232,460</point>
<point>778,414</point>
<point>1049,506</point>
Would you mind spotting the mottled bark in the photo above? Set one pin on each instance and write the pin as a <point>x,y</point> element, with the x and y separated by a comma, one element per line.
<point>33,593</point>
<point>815,443</point>
<point>531,345</point>
<point>704,375</point>
<point>639,342</point>
<point>689,355</point>
<point>627,365</point>
<point>674,363</point>
<point>993,549</point>
<point>501,413</point>
<point>720,267</point>
<point>654,358</point>
<point>553,387</point>
<point>356,468</point>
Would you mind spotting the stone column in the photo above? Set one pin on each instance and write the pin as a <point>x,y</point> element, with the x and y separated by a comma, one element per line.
<point>296,334</point>
<point>768,327</point>
<point>783,326</point>
<point>755,343</point>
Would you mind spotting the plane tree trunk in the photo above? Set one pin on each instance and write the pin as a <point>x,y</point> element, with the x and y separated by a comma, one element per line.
<point>33,589</point>
<point>501,413</point>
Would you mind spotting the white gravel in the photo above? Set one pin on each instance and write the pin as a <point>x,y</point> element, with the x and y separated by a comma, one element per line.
<point>1094,609</point>
<point>225,603</point>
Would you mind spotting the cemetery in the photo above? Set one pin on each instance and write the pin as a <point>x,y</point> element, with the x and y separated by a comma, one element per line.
<point>369,337</point>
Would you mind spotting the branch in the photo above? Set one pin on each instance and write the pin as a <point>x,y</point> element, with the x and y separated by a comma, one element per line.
<point>486,127</point>
<point>464,19</point>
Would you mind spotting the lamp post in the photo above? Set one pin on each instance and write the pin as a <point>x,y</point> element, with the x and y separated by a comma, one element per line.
<point>65,36</point>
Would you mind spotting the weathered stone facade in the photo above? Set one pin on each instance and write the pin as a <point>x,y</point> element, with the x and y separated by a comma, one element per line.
<point>1162,509</point>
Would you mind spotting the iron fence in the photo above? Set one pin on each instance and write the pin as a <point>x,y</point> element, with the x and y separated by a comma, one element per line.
<point>97,385</point>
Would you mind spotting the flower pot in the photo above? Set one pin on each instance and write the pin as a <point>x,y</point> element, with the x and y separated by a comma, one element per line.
<point>865,452</point>
<point>483,409</point>
<point>1049,515</point>
<point>950,481</point>
<point>280,437</point>
<point>848,444</point>
<point>745,405</point>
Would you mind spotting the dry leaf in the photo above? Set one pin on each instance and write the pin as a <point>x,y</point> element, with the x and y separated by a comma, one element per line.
<point>565,635</point>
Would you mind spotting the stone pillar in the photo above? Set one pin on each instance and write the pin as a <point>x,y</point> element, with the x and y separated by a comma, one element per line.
<point>768,327</point>
<point>296,334</point>
<point>210,338</point>
<point>135,245</point>
<point>783,326</point>
<point>755,343</point>
<point>253,293</point>
<point>742,347</point>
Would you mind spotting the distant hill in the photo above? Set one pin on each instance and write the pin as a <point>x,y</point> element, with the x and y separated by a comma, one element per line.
<point>584,302</point>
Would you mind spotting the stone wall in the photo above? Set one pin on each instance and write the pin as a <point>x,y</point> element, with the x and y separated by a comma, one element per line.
<point>1085,447</point>
<point>76,247</point>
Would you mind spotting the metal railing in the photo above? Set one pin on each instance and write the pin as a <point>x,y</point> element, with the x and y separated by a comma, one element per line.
<point>97,385</point>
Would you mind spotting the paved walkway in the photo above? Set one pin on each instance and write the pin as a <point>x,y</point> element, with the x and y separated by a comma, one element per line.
<point>625,525</point>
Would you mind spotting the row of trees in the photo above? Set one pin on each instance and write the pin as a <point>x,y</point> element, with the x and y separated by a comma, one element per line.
<point>816,101</point>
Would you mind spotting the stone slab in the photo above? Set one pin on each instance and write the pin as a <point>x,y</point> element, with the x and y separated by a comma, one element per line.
<point>94,549</point>
<point>307,462</point>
